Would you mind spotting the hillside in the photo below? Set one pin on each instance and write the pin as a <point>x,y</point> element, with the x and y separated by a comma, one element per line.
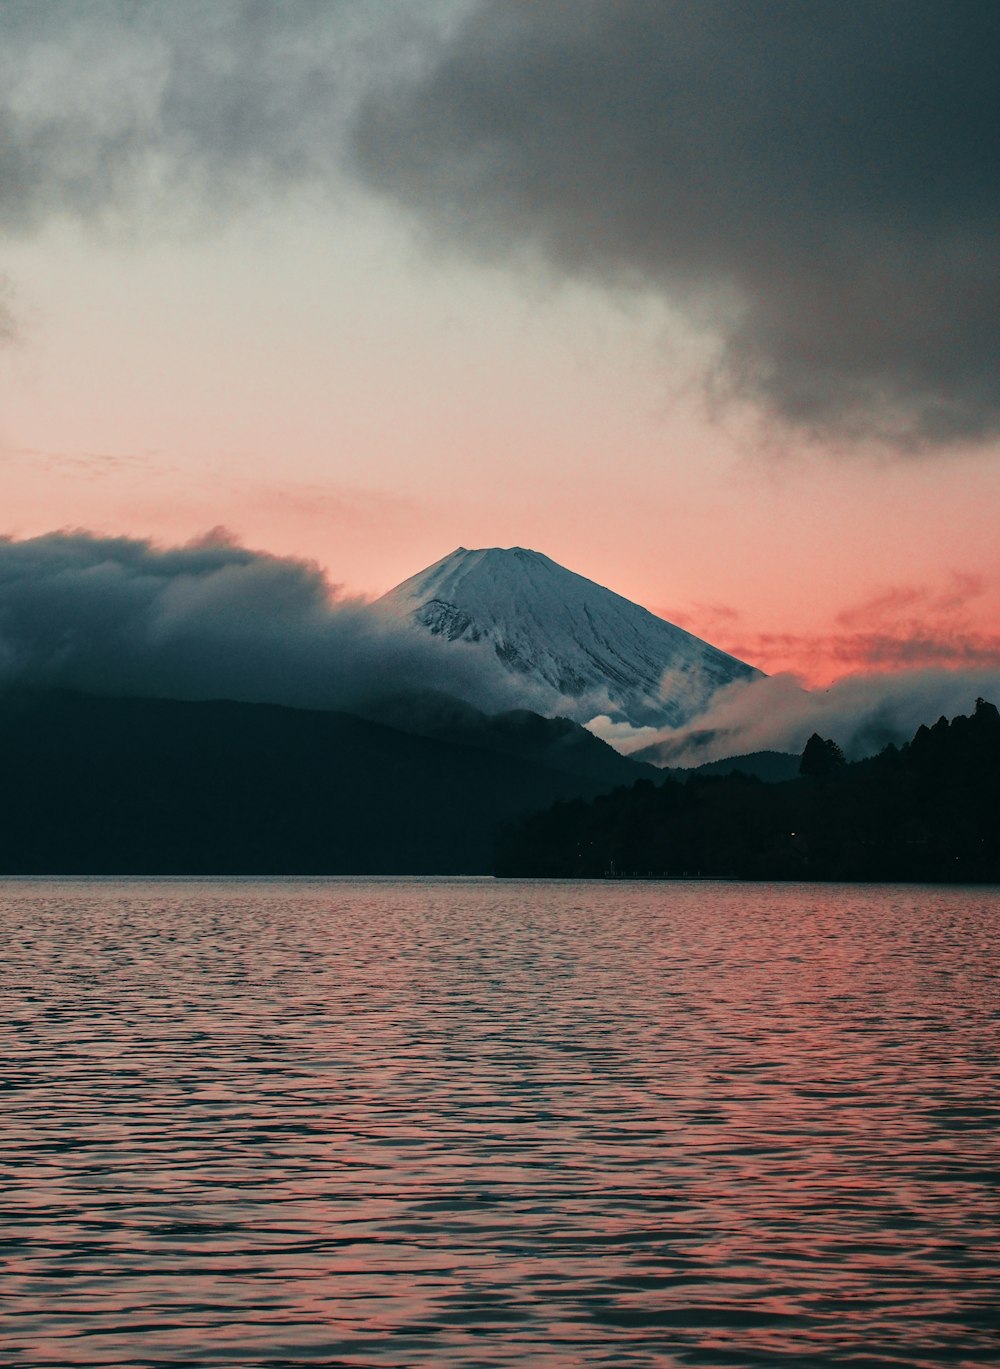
<point>145,786</point>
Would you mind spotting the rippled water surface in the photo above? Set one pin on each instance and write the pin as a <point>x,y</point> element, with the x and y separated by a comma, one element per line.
<point>475,1123</point>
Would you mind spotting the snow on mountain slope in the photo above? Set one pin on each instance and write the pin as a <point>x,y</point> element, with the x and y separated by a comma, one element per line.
<point>597,652</point>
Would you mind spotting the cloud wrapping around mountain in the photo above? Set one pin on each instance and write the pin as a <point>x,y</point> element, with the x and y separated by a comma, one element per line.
<point>120,616</point>
<point>862,713</point>
<point>210,620</point>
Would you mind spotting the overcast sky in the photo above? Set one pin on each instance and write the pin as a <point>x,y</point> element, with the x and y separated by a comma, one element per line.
<point>700,298</point>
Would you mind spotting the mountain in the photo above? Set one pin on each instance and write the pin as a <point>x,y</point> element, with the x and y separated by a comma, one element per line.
<point>155,786</point>
<point>558,743</point>
<point>773,767</point>
<point>589,649</point>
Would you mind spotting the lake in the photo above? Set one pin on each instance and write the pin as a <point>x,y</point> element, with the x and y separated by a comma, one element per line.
<point>439,1123</point>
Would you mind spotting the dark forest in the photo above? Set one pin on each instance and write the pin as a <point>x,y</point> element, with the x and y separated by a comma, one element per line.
<point>929,810</point>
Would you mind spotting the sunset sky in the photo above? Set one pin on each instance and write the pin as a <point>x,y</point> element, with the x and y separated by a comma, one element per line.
<point>699,298</point>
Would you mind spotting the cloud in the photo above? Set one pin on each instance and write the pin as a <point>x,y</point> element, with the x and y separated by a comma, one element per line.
<point>84,465</point>
<point>113,108</point>
<point>334,503</point>
<point>157,119</point>
<point>862,712</point>
<point>814,184</point>
<point>910,603</point>
<point>623,736</point>
<point>8,318</point>
<point>820,657</point>
<point>900,627</point>
<point>702,618</point>
<point>213,619</point>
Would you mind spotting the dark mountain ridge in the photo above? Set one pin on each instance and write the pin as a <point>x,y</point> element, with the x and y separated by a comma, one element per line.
<point>771,766</point>
<point>559,743</point>
<point>94,785</point>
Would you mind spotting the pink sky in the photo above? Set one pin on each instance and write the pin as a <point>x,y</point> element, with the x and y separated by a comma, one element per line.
<point>397,408</point>
<point>308,372</point>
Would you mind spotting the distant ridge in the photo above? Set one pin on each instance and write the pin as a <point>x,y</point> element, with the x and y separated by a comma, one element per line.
<point>595,651</point>
<point>164,786</point>
<point>773,767</point>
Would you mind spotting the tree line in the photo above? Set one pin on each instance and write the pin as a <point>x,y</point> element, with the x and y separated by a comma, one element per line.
<point>927,811</point>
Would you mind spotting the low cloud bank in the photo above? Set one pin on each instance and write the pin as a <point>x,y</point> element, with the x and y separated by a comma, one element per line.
<point>213,619</point>
<point>863,713</point>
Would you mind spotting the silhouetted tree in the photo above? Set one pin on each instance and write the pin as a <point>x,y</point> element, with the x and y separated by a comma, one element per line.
<point>821,758</point>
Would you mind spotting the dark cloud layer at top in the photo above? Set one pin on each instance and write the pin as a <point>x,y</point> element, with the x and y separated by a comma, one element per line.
<point>818,183</point>
<point>815,184</point>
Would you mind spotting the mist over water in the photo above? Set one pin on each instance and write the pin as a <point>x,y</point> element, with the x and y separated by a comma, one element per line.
<point>347,1122</point>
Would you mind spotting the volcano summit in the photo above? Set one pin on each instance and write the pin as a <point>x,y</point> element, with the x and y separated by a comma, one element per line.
<point>597,652</point>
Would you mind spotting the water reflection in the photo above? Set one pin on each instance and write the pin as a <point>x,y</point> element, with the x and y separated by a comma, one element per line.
<point>351,1123</point>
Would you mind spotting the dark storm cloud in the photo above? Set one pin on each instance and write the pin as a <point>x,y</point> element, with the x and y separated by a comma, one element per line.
<point>120,616</point>
<point>817,184</point>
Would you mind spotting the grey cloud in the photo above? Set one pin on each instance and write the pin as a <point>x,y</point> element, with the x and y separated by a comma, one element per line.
<point>115,107</point>
<point>212,619</point>
<point>861,712</point>
<point>8,316</point>
<point>817,184</point>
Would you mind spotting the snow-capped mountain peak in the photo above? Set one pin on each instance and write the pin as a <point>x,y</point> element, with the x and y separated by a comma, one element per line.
<point>596,651</point>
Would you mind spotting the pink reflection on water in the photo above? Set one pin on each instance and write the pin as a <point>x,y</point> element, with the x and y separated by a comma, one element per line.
<point>498,1125</point>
